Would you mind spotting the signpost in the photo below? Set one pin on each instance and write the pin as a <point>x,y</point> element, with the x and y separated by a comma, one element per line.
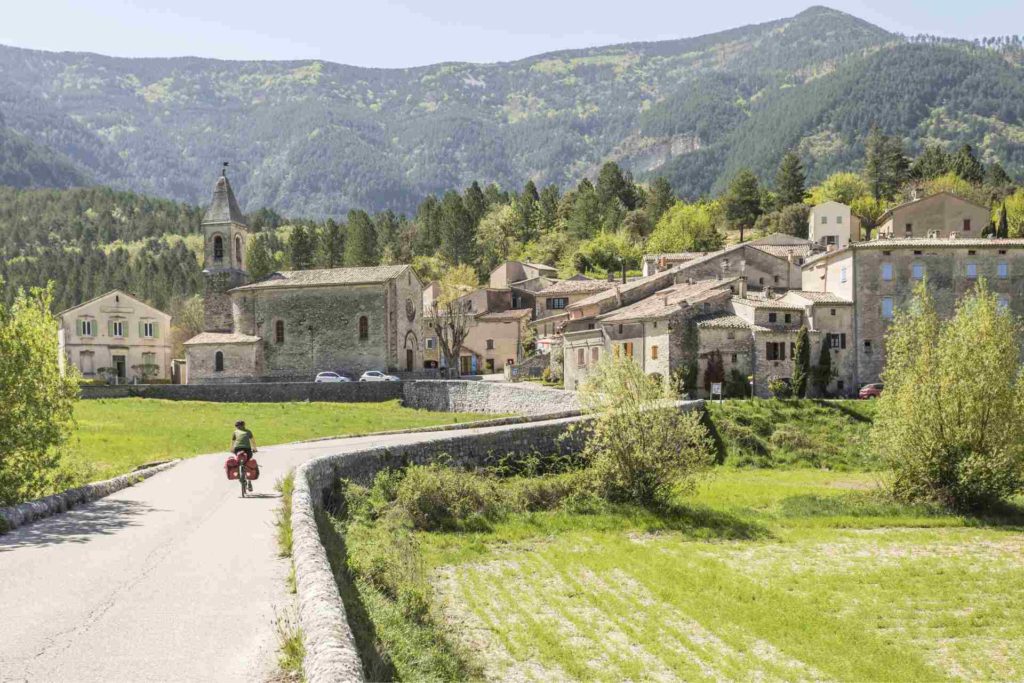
<point>716,388</point>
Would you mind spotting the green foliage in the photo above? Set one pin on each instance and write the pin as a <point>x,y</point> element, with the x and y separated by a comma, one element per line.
<point>259,260</point>
<point>790,220</point>
<point>843,187</point>
<point>605,250</point>
<point>301,248</point>
<point>802,363</point>
<point>38,400</point>
<point>790,180</point>
<point>951,418</point>
<point>742,201</point>
<point>688,227</point>
<point>966,166</point>
<point>886,167</point>
<point>640,448</point>
<point>780,387</point>
<point>360,240</point>
<point>823,373</point>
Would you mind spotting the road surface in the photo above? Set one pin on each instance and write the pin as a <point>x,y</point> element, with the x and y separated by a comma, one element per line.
<point>174,579</point>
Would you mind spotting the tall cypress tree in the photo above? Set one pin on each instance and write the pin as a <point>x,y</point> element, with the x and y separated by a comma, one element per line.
<point>659,199</point>
<point>823,370</point>
<point>360,240</point>
<point>801,363</point>
<point>301,248</point>
<point>790,180</point>
<point>1003,230</point>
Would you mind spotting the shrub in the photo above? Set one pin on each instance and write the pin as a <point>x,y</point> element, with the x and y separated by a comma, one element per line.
<point>951,419</point>
<point>737,386</point>
<point>780,388</point>
<point>438,497</point>
<point>641,446</point>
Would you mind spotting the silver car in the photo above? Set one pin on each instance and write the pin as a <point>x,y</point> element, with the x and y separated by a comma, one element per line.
<point>330,377</point>
<point>377,376</point>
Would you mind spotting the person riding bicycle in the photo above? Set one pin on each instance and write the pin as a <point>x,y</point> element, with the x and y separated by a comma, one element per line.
<point>243,444</point>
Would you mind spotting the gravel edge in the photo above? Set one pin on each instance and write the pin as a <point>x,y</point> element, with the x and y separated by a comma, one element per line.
<point>18,515</point>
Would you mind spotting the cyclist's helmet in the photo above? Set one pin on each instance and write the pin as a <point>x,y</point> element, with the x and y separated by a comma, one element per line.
<point>240,424</point>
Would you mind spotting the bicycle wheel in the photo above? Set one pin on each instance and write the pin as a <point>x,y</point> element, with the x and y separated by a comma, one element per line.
<point>241,478</point>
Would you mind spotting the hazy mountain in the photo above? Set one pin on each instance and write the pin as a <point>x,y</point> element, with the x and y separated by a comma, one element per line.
<point>317,138</point>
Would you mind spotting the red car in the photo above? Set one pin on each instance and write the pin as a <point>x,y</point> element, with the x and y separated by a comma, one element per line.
<point>870,391</point>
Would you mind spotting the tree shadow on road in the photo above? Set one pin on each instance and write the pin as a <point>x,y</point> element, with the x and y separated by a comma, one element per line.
<point>80,525</point>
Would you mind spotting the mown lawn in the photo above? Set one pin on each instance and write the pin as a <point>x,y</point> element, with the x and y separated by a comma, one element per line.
<point>790,574</point>
<point>116,435</point>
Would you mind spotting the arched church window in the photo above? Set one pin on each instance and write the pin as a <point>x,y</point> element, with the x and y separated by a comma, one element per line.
<point>218,248</point>
<point>279,332</point>
<point>238,250</point>
<point>364,327</point>
<point>218,361</point>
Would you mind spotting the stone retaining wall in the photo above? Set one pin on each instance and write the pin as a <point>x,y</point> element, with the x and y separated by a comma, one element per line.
<point>331,654</point>
<point>488,397</point>
<point>23,513</point>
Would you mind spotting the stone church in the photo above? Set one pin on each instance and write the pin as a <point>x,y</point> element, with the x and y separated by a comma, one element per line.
<point>293,324</point>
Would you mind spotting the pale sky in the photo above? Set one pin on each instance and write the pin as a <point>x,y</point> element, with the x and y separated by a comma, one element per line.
<point>398,33</point>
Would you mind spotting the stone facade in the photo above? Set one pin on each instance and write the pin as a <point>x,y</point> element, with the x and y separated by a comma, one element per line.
<point>119,333</point>
<point>940,215</point>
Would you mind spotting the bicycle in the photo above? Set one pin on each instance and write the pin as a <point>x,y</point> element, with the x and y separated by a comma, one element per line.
<point>242,462</point>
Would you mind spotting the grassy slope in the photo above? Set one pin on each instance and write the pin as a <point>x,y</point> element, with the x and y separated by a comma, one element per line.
<point>117,435</point>
<point>783,574</point>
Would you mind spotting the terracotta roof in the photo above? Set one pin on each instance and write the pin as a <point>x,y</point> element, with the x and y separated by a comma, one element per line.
<point>783,250</point>
<point>224,207</point>
<point>511,314</point>
<point>575,287</point>
<point>327,276</point>
<point>222,338</point>
<point>113,291</point>
<point>665,302</point>
<point>676,256</point>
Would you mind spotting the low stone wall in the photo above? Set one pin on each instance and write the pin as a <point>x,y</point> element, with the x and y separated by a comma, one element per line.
<point>259,392</point>
<point>331,654</point>
<point>17,515</point>
<point>463,396</point>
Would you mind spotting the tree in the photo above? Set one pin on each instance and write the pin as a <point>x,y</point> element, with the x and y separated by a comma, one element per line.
<point>37,398</point>
<point>496,237</point>
<point>450,317</point>
<point>714,372</point>
<point>660,199</point>
<point>790,220</point>
<point>259,262</point>
<point>965,165</point>
<point>640,447</point>
<point>743,201</point>
<point>823,372</point>
<point>802,362</point>
<point>932,163</point>
<point>387,229</point>
<point>790,180</point>
<point>457,229</point>
<point>609,251</point>
<point>839,187</point>
<point>951,419</point>
<point>330,252</point>
<point>360,240</point>
<point>301,247</point>
<point>584,217</point>
<point>886,166</point>
<point>687,227</point>
<point>615,186</point>
<point>428,226</point>
<point>1003,228</point>
<point>475,202</point>
<point>187,315</point>
<point>1014,207</point>
<point>547,208</point>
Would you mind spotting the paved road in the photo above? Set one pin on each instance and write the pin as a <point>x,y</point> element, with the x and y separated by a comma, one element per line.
<point>175,579</point>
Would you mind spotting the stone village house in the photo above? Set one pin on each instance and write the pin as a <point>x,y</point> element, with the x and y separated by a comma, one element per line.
<point>294,324</point>
<point>115,336</point>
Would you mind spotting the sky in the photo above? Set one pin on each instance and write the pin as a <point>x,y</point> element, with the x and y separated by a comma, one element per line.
<point>402,33</point>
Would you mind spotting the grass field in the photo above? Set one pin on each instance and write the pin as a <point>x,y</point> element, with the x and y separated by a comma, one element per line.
<point>116,435</point>
<point>763,574</point>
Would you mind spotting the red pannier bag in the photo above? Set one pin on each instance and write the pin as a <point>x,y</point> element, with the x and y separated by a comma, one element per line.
<point>252,470</point>
<point>231,467</point>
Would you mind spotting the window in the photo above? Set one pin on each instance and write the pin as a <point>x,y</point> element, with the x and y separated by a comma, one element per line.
<point>775,350</point>
<point>581,358</point>
<point>867,346</point>
<point>654,352</point>
<point>971,252</point>
<point>760,280</point>
<point>628,349</point>
<point>839,220</point>
<point>218,248</point>
<point>218,361</point>
<point>489,365</point>
<point>792,349</point>
<point>772,316</point>
<point>490,344</point>
<point>1002,252</point>
<point>730,335</point>
<point>824,220</point>
<point>842,274</point>
<point>830,239</point>
<point>1003,301</point>
<point>887,307</point>
<point>85,362</point>
<point>1003,270</point>
<point>832,311</point>
<point>837,341</point>
<point>86,327</point>
<point>558,303</point>
<point>789,317</point>
<point>620,329</point>
<point>705,307</point>
<point>734,358</point>
<point>595,354</point>
<point>917,271</point>
<point>840,385</point>
<point>967,225</point>
<point>431,343</point>
<point>279,332</point>
<point>972,270</point>
<point>148,329</point>
<point>909,228</point>
<point>918,253</point>
<point>117,328</point>
<point>364,327</point>
<point>887,272</point>
<point>238,250</point>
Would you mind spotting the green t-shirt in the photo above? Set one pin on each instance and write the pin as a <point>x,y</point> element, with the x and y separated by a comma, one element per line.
<point>242,439</point>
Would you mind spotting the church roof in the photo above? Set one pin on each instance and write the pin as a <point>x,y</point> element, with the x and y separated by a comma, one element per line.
<point>222,338</point>
<point>327,276</point>
<point>224,208</point>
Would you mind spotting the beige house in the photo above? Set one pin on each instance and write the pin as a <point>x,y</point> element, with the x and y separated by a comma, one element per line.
<point>116,337</point>
<point>494,337</point>
<point>939,215</point>
<point>832,224</point>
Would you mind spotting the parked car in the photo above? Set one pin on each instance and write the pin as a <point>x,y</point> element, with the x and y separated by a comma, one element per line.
<point>331,377</point>
<point>870,391</point>
<point>377,376</point>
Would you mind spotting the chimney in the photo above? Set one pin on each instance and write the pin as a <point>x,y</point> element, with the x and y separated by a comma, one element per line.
<point>917,193</point>
<point>743,288</point>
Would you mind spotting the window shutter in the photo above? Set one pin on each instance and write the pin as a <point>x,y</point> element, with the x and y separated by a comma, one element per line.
<point>125,326</point>
<point>78,327</point>
<point>842,340</point>
<point>110,328</point>
<point>142,332</point>
<point>156,330</point>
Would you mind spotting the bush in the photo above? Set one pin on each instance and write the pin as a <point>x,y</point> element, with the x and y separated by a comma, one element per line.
<point>641,447</point>
<point>438,497</point>
<point>780,388</point>
<point>951,419</point>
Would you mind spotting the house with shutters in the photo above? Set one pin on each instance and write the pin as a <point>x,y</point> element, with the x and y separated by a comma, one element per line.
<point>116,337</point>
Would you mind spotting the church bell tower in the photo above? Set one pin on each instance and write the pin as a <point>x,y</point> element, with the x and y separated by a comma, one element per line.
<point>225,237</point>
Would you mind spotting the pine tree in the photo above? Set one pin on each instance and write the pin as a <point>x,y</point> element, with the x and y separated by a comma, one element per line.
<point>967,166</point>
<point>801,363</point>
<point>932,163</point>
<point>659,199</point>
<point>613,185</point>
<point>790,180</point>
<point>743,201</point>
<point>547,208</point>
<point>259,260</point>
<point>331,245</point>
<point>475,202</point>
<point>457,230</point>
<point>360,240</point>
<point>886,166</point>
<point>300,248</point>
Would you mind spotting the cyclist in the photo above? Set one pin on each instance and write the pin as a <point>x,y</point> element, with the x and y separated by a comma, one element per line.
<point>242,445</point>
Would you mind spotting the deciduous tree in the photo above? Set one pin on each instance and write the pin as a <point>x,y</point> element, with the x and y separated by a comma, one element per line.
<point>450,317</point>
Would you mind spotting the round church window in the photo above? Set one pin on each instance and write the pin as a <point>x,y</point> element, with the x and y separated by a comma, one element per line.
<point>410,310</point>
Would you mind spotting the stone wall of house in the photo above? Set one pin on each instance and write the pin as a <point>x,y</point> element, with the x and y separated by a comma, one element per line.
<point>406,309</point>
<point>487,397</point>
<point>736,347</point>
<point>575,371</point>
<point>764,369</point>
<point>217,313</point>
<point>940,213</point>
<point>242,362</point>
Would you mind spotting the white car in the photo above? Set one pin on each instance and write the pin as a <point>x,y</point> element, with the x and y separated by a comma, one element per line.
<point>377,376</point>
<point>331,377</point>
